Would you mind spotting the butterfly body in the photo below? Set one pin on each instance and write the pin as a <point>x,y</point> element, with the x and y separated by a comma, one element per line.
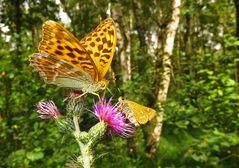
<point>84,85</point>
<point>80,65</point>
<point>137,114</point>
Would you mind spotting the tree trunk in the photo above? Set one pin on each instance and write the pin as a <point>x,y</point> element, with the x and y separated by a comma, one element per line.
<point>137,11</point>
<point>125,49</point>
<point>18,16</point>
<point>167,50</point>
<point>18,30</point>
<point>237,17</point>
<point>237,35</point>
<point>124,41</point>
<point>187,39</point>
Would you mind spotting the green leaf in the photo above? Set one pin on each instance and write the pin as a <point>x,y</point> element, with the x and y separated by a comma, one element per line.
<point>36,154</point>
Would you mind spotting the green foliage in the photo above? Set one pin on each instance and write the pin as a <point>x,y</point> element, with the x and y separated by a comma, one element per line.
<point>133,156</point>
<point>206,110</point>
<point>201,113</point>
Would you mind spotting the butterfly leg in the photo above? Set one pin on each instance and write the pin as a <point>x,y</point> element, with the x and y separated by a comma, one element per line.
<point>96,95</point>
<point>74,96</point>
<point>77,97</point>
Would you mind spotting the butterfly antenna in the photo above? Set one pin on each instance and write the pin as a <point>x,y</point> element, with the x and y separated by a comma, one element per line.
<point>120,92</point>
<point>65,99</point>
<point>110,91</point>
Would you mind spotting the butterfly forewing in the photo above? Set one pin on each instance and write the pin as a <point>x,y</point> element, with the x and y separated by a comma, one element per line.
<point>100,45</point>
<point>62,45</point>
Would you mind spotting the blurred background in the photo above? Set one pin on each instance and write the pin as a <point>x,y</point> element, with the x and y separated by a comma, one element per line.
<point>201,116</point>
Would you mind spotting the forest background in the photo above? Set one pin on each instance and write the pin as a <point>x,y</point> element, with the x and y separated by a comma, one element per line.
<point>193,86</point>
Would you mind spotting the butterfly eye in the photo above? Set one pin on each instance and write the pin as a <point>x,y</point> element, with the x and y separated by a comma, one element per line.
<point>104,83</point>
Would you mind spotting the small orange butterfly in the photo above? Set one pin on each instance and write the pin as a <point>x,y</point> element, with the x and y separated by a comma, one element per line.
<point>81,65</point>
<point>136,113</point>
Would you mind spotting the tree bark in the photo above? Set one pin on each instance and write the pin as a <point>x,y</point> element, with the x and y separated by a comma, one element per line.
<point>125,51</point>
<point>237,36</point>
<point>18,29</point>
<point>237,17</point>
<point>167,50</point>
<point>187,39</point>
<point>17,17</point>
<point>137,11</point>
<point>124,41</point>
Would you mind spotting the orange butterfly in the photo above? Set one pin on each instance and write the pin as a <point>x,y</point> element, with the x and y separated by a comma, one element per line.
<point>136,113</point>
<point>81,65</point>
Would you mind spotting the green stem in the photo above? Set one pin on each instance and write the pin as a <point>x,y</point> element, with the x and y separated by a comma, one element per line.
<point>86,156</point>
<point>77,128</point>
<point>84,148</point>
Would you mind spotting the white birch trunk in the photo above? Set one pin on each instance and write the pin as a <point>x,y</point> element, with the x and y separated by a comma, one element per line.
<point>167,50</point>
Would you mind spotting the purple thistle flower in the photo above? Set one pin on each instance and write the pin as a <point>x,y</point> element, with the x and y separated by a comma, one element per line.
<point>114,119</point>
<point>47,110</point>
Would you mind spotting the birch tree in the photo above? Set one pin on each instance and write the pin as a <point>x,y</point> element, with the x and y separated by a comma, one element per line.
<point>124,28</point>
<point>167,49</point>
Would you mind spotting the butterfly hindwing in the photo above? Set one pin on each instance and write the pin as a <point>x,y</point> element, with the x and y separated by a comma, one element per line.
<point>53,71</point>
